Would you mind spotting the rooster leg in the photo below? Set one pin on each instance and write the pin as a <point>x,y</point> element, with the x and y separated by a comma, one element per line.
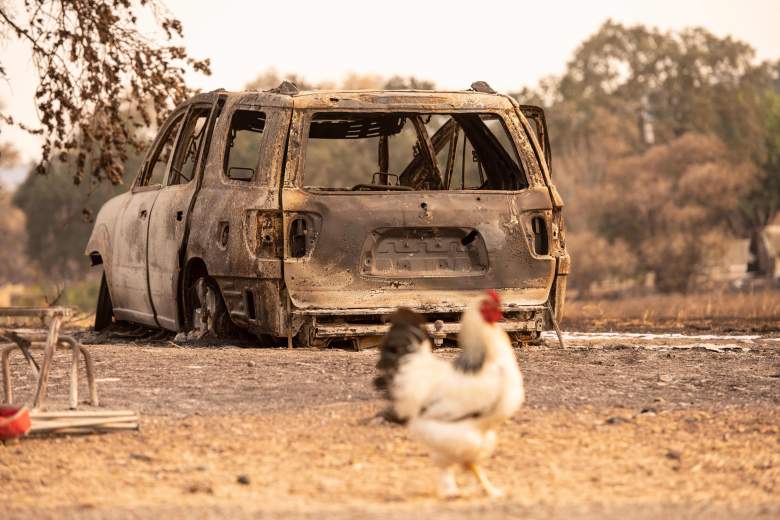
<point>473,485</point>
<point>488,486</point>
<point>448,486</point>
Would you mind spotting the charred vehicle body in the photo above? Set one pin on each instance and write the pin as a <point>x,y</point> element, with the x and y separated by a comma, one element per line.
<point>314,215</point>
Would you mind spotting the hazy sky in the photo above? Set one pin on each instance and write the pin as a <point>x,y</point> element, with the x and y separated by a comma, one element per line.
<point>508,44</point>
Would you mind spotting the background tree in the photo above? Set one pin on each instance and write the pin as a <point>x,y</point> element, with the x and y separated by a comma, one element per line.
<point>271,78</point>
<point>673,205</point>
<point>14,266</point>
<point>408,83</point>
<point>58,218</point>
<point>632,102</point>
<point>760,206</point>
<point>93,65</point>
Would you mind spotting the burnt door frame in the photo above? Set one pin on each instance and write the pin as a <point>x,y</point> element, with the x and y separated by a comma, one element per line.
<point>236,231</point>
<point>169,222</point>
<point>540,137</point>
<point>129,282</point>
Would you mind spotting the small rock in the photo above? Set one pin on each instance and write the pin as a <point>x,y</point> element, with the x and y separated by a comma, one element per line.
<point>200,487</point>
<point>243,479</point>
<point>141,456</point>
<point>250,363</point>
<point>665,378</point>
<point>616,420</point>
<point>648,409</point>
<point>674,455</point>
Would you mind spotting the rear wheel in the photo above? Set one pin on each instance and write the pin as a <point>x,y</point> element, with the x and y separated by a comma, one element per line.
<point>104,311</point>
<point>210,316</point>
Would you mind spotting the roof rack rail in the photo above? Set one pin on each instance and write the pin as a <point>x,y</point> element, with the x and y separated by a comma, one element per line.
<point>482,86</point>
<point>285,87</point>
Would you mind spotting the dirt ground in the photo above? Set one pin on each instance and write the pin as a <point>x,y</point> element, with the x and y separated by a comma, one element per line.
<point>616,425</point>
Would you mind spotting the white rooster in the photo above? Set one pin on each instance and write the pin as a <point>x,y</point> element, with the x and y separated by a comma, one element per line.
<point>454,407</point>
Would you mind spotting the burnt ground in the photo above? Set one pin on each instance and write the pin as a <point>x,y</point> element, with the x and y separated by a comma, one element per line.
<point>684,426</point>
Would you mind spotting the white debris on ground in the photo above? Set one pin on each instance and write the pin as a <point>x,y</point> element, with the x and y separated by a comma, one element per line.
<point>658,341</point>
<point>657,336</point>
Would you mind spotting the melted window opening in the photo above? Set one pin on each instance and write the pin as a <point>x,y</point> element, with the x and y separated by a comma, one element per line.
<point>401,151</point>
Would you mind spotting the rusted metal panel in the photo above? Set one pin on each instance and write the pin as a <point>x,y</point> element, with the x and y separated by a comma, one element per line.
<point>329,275</point>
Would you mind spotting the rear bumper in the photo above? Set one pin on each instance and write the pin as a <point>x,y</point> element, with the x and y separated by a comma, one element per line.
<point>323,325</point>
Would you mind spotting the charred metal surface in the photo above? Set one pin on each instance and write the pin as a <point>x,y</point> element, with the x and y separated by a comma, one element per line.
<point>322,264</point>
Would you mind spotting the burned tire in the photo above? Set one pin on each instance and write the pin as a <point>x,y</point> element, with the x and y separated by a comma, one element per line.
<point>104,310</point>
<point>526,338</point>
<point>210,315</point>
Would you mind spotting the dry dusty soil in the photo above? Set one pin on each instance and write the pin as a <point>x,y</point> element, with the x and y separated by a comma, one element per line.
<point>615,426</point>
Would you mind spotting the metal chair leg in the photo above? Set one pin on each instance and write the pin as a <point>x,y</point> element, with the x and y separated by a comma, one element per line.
<point>74,376</point>
<point>69,342</point>
<point>8,390</point>
<point>48,354</point>
<point>90,366</point>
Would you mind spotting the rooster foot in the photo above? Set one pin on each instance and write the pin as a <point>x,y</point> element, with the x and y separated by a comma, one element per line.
<point>488,486</point>
<point>448,486</point>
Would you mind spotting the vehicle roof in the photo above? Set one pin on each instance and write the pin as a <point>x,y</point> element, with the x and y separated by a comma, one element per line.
<point>375,99</point>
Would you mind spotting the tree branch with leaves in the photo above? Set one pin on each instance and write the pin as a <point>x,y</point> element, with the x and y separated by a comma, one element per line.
<point>100,79</point>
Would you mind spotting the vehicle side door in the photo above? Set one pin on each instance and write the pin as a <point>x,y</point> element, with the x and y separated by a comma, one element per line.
<point>238,233</point>
<point>129,279</point>
<point>535,116</point>
<point>169,220</point>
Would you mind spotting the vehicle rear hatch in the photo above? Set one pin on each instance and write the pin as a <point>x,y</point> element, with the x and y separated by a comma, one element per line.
<point>397,240</point>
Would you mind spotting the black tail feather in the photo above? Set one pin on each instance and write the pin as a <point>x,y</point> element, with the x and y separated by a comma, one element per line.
<point>406,334</point>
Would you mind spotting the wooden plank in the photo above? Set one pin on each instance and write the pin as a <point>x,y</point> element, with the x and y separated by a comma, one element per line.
<point>44,426</point>
<point>80,414</point>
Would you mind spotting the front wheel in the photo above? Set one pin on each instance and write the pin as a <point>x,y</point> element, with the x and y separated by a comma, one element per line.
<point>104,310</point>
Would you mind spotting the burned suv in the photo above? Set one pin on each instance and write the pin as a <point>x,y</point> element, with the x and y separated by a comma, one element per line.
<point>312,216</point>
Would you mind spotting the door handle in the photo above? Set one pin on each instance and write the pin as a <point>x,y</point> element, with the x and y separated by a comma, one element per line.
<point>142,214</point>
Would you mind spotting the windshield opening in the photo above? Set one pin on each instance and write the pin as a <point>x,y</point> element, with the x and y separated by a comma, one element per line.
<point>411,151</point>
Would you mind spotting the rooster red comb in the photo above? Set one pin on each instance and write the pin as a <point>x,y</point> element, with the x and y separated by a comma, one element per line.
<point>491,307</point>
